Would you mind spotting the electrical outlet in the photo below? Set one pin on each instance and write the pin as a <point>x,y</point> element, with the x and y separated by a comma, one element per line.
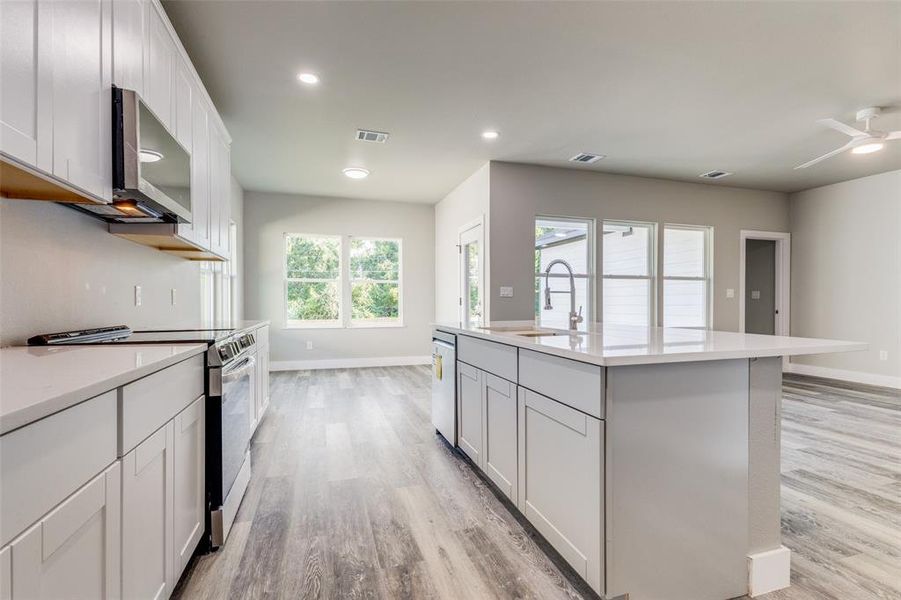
<point>730,292</point>
<point>137,295</point>
<point>173,296</point>
<point>309,345</point>
<point>883,355</point>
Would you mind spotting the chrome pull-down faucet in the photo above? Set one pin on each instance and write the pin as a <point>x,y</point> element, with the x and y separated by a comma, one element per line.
<point>574,317</point>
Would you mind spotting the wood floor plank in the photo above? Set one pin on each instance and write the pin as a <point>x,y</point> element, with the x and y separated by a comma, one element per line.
<point>354,496</point>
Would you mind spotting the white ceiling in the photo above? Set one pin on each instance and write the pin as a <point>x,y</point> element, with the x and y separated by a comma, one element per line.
<point>663,89</point>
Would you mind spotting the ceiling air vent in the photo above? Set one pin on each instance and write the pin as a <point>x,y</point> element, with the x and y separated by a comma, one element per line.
<point>714,174</point>
<point>376,137</point>
<point>586,158</point>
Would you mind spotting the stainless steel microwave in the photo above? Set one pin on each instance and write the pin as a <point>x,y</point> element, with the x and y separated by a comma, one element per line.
<point>151,170</point>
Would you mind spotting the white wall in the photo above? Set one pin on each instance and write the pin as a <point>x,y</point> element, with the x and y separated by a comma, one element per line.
<point>267,217</point>
<point>520,192</point>
<point>237,255</point>
<point>846,275</point>
<point>465,204</point>
<point>62,270</point>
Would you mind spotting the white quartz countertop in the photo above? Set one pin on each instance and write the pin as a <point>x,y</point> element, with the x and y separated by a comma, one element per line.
<point>614,345</point>
<point>38,381</point>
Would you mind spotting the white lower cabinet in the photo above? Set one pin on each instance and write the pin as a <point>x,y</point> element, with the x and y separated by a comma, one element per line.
<point>469,411</point>
<point>188,481</point>
<point>73,552</point>
<point>499,444</point>
<point>147,517</point>
<point>561,485</point>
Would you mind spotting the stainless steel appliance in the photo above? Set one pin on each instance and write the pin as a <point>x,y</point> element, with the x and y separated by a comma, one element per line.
<point>151,169</point>
<point>444,385</point>
<point>230,389</point>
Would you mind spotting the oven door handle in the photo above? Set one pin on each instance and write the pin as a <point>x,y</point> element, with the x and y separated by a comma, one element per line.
<point>237,371</point>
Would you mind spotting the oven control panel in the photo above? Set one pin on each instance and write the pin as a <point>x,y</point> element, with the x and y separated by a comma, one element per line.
<point>235,346</point>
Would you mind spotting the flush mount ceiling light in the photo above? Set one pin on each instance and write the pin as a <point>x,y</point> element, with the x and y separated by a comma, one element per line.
<point>356,172</point>
<point>149,156</point>
<point>308,78</point>
<point>490,135</point>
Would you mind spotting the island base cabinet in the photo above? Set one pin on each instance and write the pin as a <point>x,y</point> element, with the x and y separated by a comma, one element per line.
<point>499,445</point>
<point>469,411</point>
<point>561,458</point>
<point>147,504</point>
<point>73,552</point>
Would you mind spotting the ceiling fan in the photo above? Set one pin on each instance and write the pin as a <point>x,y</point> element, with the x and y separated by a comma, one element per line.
<point>861,142</point>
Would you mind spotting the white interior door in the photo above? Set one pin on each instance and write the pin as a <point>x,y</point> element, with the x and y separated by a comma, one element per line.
<point>472,275</point>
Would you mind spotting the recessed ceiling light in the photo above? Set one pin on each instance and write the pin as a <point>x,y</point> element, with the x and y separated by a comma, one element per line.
<point>356,172</point>
<point>149,156</point>
<point>308,78</point>
<point>867,148</point>
<point>490,135</point>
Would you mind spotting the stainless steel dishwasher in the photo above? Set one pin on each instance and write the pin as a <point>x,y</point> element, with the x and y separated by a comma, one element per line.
<point>444,385</point>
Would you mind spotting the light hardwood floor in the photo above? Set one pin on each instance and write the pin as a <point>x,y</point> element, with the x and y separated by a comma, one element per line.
<point>354,496</point>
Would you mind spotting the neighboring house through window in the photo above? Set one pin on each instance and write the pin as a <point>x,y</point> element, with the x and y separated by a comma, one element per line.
<point>629,272</point>
<point>687,268</point>
<point>572,240</point>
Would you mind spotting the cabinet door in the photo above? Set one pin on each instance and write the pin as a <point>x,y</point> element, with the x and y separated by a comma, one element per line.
<point>215,187</point>
<point>82,76</point>
<point>469,409</point>
<point>26,102</point>
<point>147,548</point>
<point>561,458</point>
<point>129,34</point>
<point>184,94</point>
<point>264,386</point>
<point>253,397</point>
<point>188,482</point>
<point>198,230</point>
<point>73,552</point>
<point>6,573</point>
<point>500,433</point>
<point>159,67</point>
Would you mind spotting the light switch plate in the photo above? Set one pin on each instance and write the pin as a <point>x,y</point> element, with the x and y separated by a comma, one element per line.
<point>883,355</point>
<point>730,292</point>
<point>506,291</point>
<point>755,294</point>
<point>173,296</point>
<point>137,295</point>
<point>309,345</point>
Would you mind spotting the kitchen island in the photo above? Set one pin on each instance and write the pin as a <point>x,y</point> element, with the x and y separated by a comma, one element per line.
<point>647,457</point>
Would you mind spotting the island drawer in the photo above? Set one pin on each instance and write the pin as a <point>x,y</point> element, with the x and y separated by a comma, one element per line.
<point>149,403</point>
<point>495,358</point>
<point>43,463</point>
<point>576,384</point>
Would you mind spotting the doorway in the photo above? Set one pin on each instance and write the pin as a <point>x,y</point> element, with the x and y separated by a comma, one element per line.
<point>765,272</point>
<point>472,274</point>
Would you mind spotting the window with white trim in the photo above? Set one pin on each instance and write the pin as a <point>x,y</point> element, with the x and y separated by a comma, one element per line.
<point>342,281</point>
<point>572,240</point>
<point>687,268</point>
<point>629,272</point>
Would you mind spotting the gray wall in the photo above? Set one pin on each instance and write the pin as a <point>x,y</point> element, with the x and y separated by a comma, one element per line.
<point>237,258</point>
<point>61,270</point>
<point>267,217</point>
<point>760,276</point>
<point>465,204</point>
<point>846,271</point>
<point>519,192</point>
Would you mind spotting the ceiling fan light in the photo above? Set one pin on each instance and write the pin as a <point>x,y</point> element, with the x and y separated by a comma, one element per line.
<point>868,148</point>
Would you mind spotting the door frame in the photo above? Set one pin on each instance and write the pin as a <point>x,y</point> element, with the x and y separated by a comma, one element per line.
<point>461,272</point>
<point>783,277</point>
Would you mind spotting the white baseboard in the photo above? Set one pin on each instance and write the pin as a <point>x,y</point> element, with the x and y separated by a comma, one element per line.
<point>843,375</point>
<point>769,571</point>
<point>349,363</point>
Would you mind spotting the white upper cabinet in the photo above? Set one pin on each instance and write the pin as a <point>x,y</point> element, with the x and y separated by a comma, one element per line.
<point>159,60</point>
<point>82,76</point>
<point>129,33</point>
<point>26,109</point>
<point>184,93</point>
<point>198,230</point>
<point>220,190</point>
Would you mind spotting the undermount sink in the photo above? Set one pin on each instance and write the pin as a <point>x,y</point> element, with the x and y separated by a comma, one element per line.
<point>526,331</point>
<point>541,333</point>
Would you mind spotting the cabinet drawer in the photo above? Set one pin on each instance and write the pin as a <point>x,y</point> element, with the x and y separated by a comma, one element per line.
<point>488,356</point>
<point>149,403</point>
<point>43,463</point>
<point>576,384</point>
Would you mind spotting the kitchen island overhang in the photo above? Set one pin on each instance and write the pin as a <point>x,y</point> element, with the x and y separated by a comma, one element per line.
<point>686,426</point>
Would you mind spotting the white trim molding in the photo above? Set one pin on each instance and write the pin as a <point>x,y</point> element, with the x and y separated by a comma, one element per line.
<point>349,363</point>
<point>769,571</point>
<point>843,375</point>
